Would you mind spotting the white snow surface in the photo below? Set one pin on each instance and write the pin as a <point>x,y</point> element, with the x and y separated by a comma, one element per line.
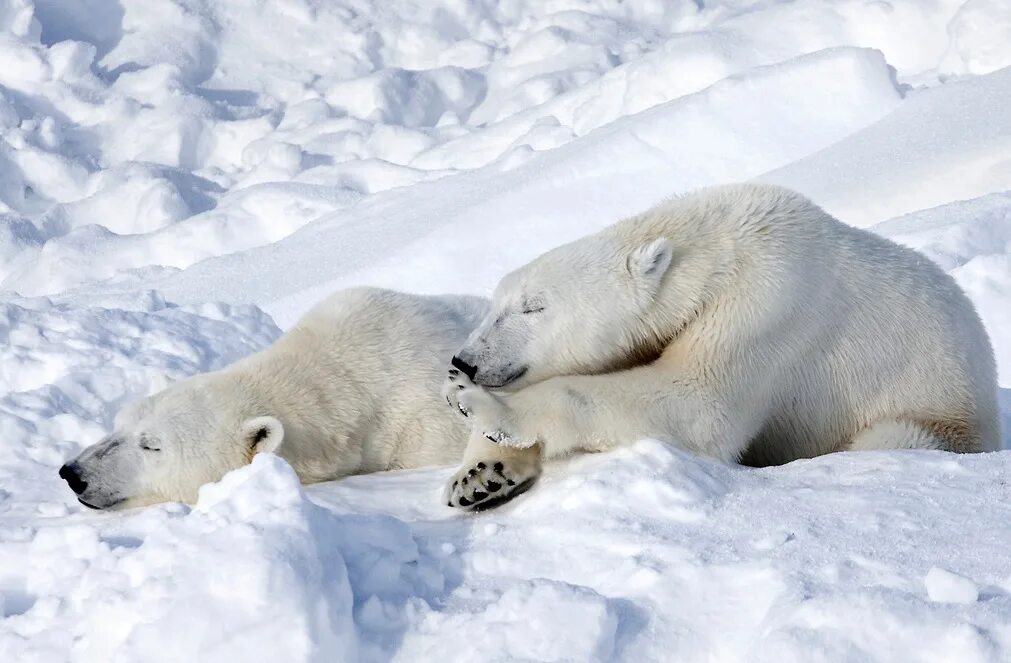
<point>181,179</point>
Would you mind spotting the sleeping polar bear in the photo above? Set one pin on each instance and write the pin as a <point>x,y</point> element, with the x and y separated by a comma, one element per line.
<point>741,323</point>
<point>352,388</point>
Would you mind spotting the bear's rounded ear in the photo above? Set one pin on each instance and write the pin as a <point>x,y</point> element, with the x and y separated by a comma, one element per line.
<point>649,262</point>
<point>263,434</point>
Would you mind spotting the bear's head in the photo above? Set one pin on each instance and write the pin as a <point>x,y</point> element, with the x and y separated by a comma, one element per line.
<point>578,309</point>
<point>166,446</point>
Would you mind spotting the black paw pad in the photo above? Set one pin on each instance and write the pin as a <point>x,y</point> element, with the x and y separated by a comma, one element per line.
<point>510,482</point>
<point>472,472</point>
<point>493,486</point>
<point>480,495</point>
<point>465,502</point>
<point>498,467</point>
<point>481,466</point>
<point>502,498</point>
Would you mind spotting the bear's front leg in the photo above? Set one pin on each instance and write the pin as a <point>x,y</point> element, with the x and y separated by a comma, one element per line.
<point>492,474</point>
<point>489,414</point>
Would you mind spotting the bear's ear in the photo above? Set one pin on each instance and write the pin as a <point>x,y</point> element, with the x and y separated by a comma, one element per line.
<point>649,262</point>
<point>263,434</point>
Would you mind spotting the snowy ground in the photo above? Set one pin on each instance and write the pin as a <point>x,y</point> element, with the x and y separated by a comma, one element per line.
<point>179,179</point>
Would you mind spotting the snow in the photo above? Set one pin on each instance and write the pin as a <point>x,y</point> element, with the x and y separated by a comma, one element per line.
<point>833,555</point>
<point>948,587</point>
<point>908,160</point>
<point>181,179</point>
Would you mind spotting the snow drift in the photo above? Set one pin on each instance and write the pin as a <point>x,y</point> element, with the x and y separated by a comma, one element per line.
<point>180,178</point>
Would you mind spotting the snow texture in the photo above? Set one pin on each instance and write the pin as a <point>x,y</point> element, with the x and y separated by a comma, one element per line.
<point>179,179</point>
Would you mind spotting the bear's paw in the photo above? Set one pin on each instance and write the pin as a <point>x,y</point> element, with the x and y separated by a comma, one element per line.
<point>487,484</point>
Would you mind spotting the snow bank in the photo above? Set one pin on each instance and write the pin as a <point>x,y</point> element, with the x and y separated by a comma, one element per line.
<point>694,559</point>
<point>143,117</point>
<point>948,587</point>
<point>158,155</point>
<point>945,143</point>
<point>254,555</point>
<point>255,571</point>
<point>833,559</point>
<point>704,138</point>
<point>980,38</point>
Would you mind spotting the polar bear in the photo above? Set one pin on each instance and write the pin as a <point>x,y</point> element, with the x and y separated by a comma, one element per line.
<point>740,322</point>
<point>352,388</point>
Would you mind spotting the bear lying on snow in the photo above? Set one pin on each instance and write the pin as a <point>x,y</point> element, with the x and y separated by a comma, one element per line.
<point>352,388</point>
<point>741,323</point>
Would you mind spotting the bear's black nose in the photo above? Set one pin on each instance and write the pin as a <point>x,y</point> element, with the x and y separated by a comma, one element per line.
<point>467,369</point>
<point>70,474</point>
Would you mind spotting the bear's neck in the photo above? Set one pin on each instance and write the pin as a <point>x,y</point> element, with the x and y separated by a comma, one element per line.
<point>706,259</point>
<point>323,436</point>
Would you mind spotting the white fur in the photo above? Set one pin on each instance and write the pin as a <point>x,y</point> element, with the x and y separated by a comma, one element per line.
<point>352,388</point>
<point>739,322</point>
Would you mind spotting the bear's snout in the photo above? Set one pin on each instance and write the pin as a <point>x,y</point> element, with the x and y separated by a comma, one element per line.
<point>72,475</point>
<point>467,369</point>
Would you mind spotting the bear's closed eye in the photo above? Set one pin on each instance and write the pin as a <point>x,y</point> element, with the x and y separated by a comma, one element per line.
<point>146,445</point>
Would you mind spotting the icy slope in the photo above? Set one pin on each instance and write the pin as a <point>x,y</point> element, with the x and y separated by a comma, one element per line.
<point>946,143</point>
<point>158,156</point>
<point>210,128</point>
<point>434,228</point>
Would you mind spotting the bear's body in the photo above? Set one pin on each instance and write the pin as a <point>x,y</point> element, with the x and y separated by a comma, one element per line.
<point>356,382</point>
<point>740,322</point>
<point>352,388</point>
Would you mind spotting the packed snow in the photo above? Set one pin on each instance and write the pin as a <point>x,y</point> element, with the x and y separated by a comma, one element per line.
<point>181,179</point>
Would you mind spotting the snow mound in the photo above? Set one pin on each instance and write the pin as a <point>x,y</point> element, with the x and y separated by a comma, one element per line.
<point>685,556</point>
<point>675,558</point>
<point>524,623</point>
<point>942,144</point>
<point>254,555</point>
<point>613,171</point>
<point>157,155</point>
<point>947,587</point>
<point>275,577</point>
<point>145,117</point>
<point>980,38</point>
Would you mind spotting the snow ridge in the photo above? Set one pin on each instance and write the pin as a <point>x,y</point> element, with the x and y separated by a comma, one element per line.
<point>181,179</point>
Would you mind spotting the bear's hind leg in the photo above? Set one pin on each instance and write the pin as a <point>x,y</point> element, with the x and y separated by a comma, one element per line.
<point>896,434</point>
